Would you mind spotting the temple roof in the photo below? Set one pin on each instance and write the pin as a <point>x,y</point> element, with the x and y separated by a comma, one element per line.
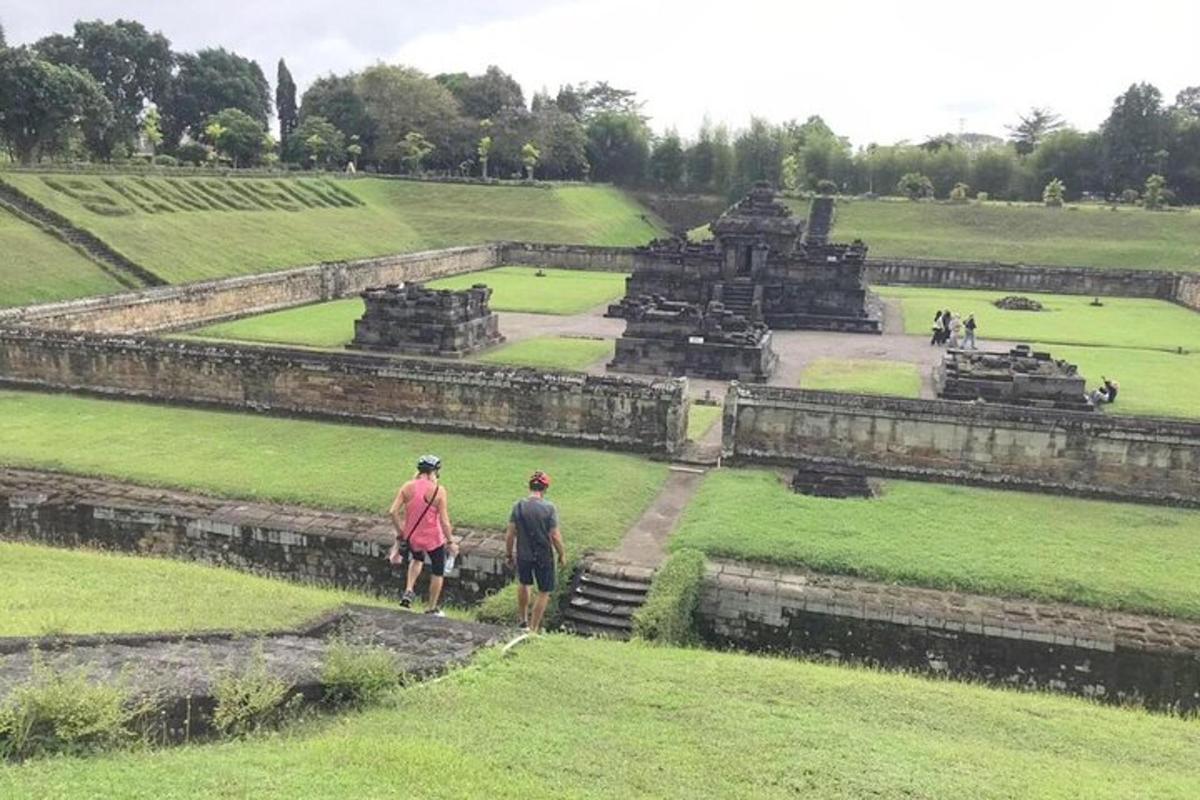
<point>758,213</point>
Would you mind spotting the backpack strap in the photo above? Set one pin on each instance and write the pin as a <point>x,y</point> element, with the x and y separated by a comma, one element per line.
<point>436,489</point>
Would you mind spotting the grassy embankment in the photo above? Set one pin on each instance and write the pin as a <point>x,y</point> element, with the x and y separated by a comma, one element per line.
<point>1109,555</point>
<point>36,268</point>
<point>628,720</point>
<point>320,464</point>
<point>48,591</point>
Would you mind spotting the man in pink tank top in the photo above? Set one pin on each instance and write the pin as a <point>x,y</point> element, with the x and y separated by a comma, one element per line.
<point>421,516</point>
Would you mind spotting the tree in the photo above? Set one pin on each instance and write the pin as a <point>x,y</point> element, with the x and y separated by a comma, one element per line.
<point>1032,128</point>
<point>336,98</point>
<point>285,104</point>
<point>401,101</point>
<point>666,161</point>
<point>915,186</point>
<point>1152,198</point>
<point>826,187</point>
<point>1074,157</point>
<point>758,155</point>
<point>413,149</point>
<point>236,134</point>
<point>354,152</point>
<point>3,41</point>
<point>618,147</point>
<point>131,65</point>
<point>484,96</point>
<point>321,143</point>
<point>152,129</point>
<point>959,193</point>
<point>529,157</point>
<point>1053,194</point>
<point>484,149</point>
<point>208,82</point>
<point>790,173</point>
<point>562,141</point>
<point>43,104</point>
<point>1134,138</point>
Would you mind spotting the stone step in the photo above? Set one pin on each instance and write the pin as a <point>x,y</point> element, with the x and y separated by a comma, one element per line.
<point>601,620</point>
<point>615,584</point>
<point>620,571</point>
<point>596,631</point>
<point>589,605</point>
<point>601,592</point>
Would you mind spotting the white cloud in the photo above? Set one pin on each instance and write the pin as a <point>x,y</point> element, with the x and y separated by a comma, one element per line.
<point>877,70</point>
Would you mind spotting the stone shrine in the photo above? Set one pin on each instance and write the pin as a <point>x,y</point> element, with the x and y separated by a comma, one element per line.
<point>1019,377</point>
<point>664,337</point>
<point>412,319</point>
<point>760,266</point>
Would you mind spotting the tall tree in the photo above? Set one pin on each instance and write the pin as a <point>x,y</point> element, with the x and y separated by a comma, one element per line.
<point>132,66</point>
<point>238,135</point>
<point>336,98</point>
<point>618,147</point>
<point>1135,138</point>
<point>401,101</point>
<point>484,96</point>
<point>562,141</point>
<point>1032,128</point>
<point>43,104</point>
<point>208,82</point>
<point>667,162</point>
<point>320,143</point>
<point>285,104</point>
<point>3,41</point>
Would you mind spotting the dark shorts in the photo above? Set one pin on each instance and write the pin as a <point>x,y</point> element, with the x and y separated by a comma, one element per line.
<point>437,559</point>
<point>541,571</point>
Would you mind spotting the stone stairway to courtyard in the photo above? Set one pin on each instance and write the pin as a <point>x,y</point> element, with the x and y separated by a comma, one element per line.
<point>738,298</point>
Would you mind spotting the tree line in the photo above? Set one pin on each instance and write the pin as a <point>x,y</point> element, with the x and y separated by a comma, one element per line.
<point>109,91</point>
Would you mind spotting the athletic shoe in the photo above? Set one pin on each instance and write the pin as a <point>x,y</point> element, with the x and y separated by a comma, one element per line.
<point>407,600</point>
<point>524,625</point>
<point>437,612</point>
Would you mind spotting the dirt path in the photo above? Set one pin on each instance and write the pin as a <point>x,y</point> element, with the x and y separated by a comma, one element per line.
<point>646,542</point>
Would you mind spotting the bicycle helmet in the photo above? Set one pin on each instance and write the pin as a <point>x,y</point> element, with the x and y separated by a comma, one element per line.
<point>539,478</point>
<point>428,463</point>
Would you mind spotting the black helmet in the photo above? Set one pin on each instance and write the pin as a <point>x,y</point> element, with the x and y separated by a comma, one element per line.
<point>428,463</point>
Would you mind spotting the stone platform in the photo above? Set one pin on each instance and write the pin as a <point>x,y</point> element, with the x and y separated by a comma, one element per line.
<point>1020,377</point>
<point>411,319</point>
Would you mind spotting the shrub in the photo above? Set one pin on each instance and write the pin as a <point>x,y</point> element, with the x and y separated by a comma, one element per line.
<point>192,153</point>
<point>959,193</point>
<point>1053,194</point>
<point>915,186</point>
<point>253,699</point>
<point>500,608</point>
<point>358,674</point>
<point>982,197</point>
<point>669,615</point>
<point>64,712</point>
<point>826,186</point>
<point>1130,197</point>
<point>166,161</point>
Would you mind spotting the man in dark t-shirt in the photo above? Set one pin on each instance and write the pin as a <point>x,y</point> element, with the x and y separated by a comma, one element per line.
<point>533,529</point>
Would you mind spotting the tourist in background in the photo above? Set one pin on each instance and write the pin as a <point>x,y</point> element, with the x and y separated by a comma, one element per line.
<point>945,326</point>
<point>533,529</point>
<point>955,330</point>
<point>937,328</point>
<point>421,516</point>
<point>969,327</point>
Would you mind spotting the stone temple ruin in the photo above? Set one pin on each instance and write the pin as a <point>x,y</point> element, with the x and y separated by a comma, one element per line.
<point>1019,377</point>
<point>412,319</point>
<point>663,337</point>
<point>759,265</point>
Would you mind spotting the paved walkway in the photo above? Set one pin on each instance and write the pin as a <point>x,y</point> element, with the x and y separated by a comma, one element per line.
<point>646,542</point>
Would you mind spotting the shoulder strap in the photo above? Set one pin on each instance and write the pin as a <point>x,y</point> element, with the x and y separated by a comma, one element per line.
<point>436,489</point>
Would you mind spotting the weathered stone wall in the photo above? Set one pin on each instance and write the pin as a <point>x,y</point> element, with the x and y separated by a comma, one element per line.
<point>586,410</point>
<point>1187,290</point>
<point>1098,454</point>
<point>1018,278</point>
<point>174,307</point>
<point>567,256</point>
<point>1113,657</point>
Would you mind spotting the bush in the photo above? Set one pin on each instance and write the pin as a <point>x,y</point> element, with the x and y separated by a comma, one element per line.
<point>251,700</point>
<point>166,161</point>
<point>915,186</point>
<point>826,186</point>
<point>1130,197</point>
<point>1054,193</point>
<point>958,194</point>
<point>669,615</point>
<point>65,713</point>
<point>982,197</point>
<point>358,674</point>
<point>192,153</point>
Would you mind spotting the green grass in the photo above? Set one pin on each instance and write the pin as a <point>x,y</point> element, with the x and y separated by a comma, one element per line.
<point>551,352</point>
<point>866,377</point>
<point>1077,236</point>
<point>701,418</point>
<point>320,464</point>
<point>1152,384</point>
<point>613,720</point>
<point>559,291</point>
<point>319,325</point>
<point>37,268</point>
<point>1110,555</point>
<point>1066,319</point>
<point>394,216</point>
<point>46,591</point>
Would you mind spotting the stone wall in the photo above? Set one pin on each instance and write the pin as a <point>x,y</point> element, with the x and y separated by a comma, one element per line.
<point>621,413</point>
<point>1019,278</point>
<point>1187,290</point>
<point>175,307</point>
<point>1096,454</point>
<point>567,256</point>
<point>1113,657</point>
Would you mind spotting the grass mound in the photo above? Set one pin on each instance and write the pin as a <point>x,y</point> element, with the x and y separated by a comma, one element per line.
<point>865,377</point>
<point>37,268</point>
<point>48,591</point>
<point>321,464</point>
<point>1110,555</point>
<point>625,720</point>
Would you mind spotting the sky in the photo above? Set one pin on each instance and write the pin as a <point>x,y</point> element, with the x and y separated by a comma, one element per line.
<point>875,70</point>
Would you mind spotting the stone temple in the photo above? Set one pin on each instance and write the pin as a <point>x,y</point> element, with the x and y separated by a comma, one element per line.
<point>411,319</point>
<point>760,265</point>
<point>1019,377</point>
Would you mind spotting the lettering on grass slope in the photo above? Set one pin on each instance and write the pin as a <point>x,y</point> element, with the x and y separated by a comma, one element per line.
<point>123,196</point>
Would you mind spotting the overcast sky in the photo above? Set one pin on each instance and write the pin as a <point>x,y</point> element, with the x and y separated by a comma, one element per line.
<point>876,70</point>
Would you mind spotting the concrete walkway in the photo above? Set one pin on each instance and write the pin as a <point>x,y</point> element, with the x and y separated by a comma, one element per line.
<point>646,542</point>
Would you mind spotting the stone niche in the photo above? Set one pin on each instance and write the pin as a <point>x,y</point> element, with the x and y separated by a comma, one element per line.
<point>412,319</point>
<point>1019,377</point>
<point>669,338</point>
<point>760,265</point>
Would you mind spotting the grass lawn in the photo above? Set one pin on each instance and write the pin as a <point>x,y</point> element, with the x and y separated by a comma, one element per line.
<point>1152,384</point>
<point>45,591</point>
<point>627,720</point>
<point>320,464</point>
<point>1067,319</point>
<point>862,376</point>
<point>37,268</point>
<point>1110,555</point>
<point>551,352</point>
<point>701,418</point>
<point>1131,238</point>
<point>390,216</point>
<point>560,291</point>
<point>319,325</point>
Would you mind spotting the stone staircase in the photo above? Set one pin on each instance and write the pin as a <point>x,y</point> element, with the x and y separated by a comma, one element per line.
<point>604,598</point>
<point>120,268</point>
<point>738,298</point>
<point>820,221</point>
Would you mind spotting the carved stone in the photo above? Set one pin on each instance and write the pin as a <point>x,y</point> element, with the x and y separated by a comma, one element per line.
<point>411,319</point>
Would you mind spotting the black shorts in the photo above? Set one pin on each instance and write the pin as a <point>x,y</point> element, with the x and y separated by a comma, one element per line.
<point>437,559</point>
<point>541,570</point>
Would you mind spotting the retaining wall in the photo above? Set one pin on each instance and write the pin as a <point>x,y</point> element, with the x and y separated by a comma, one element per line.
<point>567,256</point>
<point>1020,278</point>
<point>1132,458</point>
<point>1187,290</point>
<point>621,413</point>
<point>1113,657</point>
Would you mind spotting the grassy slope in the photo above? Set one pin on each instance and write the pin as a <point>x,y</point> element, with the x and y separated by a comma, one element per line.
<point>551,352</point>
<point>1103,554</point>
<point>46,591</point>
<point>36,268</point>
<point>321,464</point>
<point>565,717</point>
<point>396,216</point>
<point>1084,236</point>
<point>868,377</point>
